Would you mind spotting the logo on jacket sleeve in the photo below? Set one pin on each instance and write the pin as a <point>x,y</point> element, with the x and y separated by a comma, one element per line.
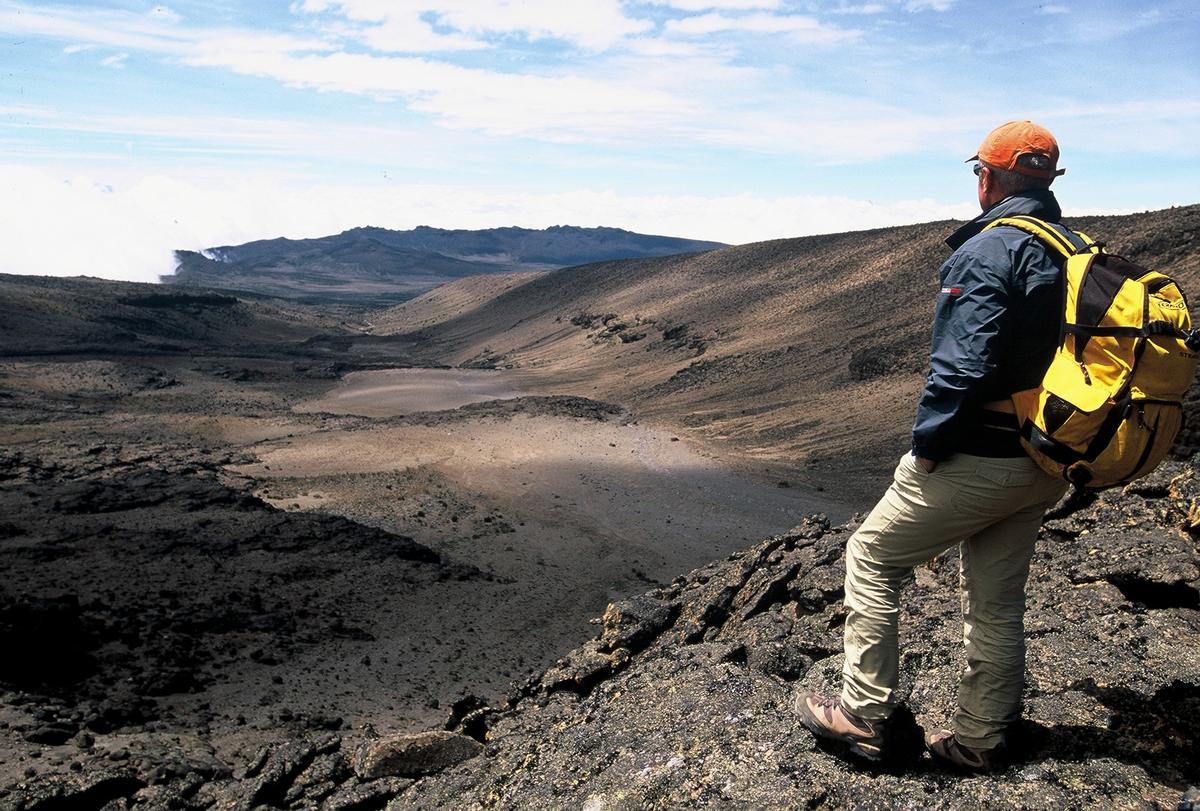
<point>952,291</point>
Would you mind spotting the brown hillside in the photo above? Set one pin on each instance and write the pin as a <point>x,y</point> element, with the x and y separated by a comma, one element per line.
<point>810,350</point>
<point>46,315</point>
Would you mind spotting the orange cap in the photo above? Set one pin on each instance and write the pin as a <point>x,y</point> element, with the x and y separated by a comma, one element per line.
<point>1022,147</point>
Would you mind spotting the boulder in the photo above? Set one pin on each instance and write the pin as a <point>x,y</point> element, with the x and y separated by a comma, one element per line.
<point>413,755</point>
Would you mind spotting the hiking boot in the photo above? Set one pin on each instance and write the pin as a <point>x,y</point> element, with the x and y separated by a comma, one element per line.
<point>948,753</point>
<point>825,717</point>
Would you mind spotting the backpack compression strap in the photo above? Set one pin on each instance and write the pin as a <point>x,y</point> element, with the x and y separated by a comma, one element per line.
<point>1048,235</point>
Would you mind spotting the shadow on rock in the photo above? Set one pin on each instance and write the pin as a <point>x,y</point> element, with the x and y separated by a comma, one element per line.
<point>1156,733</point>
<point>902,753</point>
<point>25,625</point>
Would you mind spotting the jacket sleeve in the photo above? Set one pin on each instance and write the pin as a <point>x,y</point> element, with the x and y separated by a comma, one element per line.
<point>970,328</point>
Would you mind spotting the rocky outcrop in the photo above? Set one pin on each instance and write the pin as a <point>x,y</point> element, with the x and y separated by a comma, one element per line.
<point>683,696</point>
<point>157,584</point>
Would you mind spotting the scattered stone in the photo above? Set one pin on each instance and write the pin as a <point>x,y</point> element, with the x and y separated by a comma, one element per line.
<point>635,622</point>
<point>414,754</point>
<point>50,734</point>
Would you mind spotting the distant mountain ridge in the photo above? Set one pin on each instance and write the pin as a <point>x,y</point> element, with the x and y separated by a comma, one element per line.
<point>379,266</point>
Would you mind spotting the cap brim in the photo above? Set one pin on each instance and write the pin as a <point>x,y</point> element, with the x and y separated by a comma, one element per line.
<point>974,157</point>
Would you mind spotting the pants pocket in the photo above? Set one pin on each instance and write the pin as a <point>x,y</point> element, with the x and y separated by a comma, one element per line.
<point>1006,477</point>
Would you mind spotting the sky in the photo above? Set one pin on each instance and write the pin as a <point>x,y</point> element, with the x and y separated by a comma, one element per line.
<point>130,129</point>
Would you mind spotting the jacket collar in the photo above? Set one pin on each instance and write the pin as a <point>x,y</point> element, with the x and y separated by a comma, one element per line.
<point>1038,202</point>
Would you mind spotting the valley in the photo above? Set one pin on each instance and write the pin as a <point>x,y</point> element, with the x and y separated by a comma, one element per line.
<point>235,527</point>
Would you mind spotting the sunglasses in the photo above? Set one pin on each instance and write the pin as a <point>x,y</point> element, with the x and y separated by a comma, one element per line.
<point>978,169</point>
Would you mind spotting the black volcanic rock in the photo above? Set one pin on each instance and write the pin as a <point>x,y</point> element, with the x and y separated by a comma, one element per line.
<point>684,697</point>
<point>201,576</point>
<point>379,266</point>
<point>413,754</point>
<point>695,710</point>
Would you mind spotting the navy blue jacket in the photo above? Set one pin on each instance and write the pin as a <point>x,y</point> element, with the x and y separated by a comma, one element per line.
<point>996,325</point>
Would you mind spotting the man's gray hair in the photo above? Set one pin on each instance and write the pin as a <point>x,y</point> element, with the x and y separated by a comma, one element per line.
<point>1011,182</point>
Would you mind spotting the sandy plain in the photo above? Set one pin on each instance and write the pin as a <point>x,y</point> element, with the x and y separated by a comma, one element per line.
<point>588,492</point>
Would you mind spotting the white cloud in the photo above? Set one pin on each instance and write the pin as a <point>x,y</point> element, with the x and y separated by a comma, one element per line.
<point>74,49</point>
<point>862,8</point>
<point>799,27</point>
<point>929,5</point>
<point>653,90</point>
<point>1051,8</point>
<point>673,92</point>
<point>114,61</point>
<point>557,108</point>
<point>660,47</point>
<point>717,5</point>
<point>411,34</point>
<point>228,133</point>
<point>1119,129</point>
<point>127,230</point>
<point>596,24</point>
<point>140,32</point>
<point>593,24</point>
<point>824,129</point>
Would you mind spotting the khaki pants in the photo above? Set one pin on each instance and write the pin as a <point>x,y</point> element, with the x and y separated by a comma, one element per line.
<point>992,508</point>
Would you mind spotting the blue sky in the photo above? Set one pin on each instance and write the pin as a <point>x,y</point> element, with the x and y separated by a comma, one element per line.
<point>130,128</point>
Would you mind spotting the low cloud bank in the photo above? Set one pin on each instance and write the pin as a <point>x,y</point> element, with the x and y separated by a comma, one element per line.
<point>127,228</point>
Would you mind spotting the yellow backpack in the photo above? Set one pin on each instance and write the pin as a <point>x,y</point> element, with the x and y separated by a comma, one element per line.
<point>1111,402</point>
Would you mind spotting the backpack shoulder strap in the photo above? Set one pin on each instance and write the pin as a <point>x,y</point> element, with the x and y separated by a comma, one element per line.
<point>1049,237</point>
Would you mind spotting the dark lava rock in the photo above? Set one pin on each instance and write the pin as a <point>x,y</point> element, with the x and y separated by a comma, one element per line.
<point>81,792</point>
<point>321,778</point>
<point>634,623</point>
<point>276,770</point>
<point>26,625</point>
<point>364,796</point>
<point>50,734</point>
<point>684,698</point>
<point>206,575</point>
<point>412,755</point>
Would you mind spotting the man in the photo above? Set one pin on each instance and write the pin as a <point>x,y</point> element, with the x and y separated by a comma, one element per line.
<point>967,480</point>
